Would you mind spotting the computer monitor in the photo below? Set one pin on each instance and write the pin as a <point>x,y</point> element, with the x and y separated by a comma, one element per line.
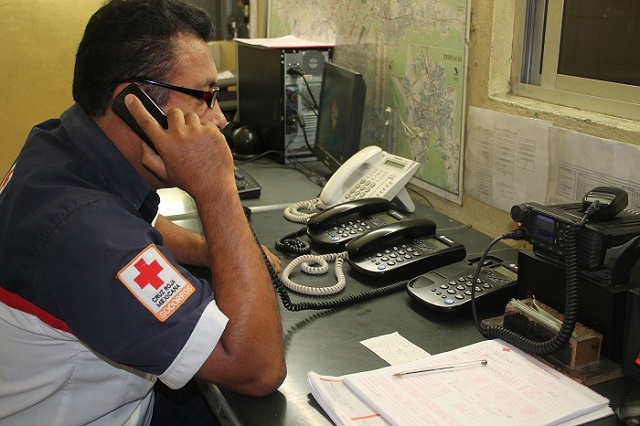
<point>341,107</point>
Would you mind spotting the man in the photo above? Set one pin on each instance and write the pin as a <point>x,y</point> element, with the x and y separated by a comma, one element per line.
<point>94,302</point>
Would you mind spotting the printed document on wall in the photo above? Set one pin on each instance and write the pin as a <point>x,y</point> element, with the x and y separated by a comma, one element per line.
<point>579,163</point>
<point>506,159</point>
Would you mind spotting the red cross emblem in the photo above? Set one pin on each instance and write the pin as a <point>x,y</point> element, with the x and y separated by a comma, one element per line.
<point>151,268</point>
<point>148,274</point>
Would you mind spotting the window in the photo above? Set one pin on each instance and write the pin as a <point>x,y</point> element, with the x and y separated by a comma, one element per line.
<point>579,53</point>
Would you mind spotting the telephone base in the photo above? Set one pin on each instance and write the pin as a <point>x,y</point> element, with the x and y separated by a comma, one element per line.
<point>404,202</point>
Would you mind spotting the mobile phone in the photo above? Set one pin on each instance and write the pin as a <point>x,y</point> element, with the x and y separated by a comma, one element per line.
<point>122,111</point>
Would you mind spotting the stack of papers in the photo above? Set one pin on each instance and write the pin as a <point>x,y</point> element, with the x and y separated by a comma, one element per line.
<point>512,388</point>
<point>286,42</point>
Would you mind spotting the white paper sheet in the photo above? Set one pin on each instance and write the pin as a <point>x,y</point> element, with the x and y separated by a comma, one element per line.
<point>579,163</point>
<point>394,348</point>
<point>342,405</point>
<point>513,388</point>
<point>506,159</point>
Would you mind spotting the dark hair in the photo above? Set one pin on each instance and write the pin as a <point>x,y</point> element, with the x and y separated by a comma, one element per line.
<point>127,39</point>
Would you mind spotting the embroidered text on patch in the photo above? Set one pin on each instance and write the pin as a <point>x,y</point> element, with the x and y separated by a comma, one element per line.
<point>156,283</point>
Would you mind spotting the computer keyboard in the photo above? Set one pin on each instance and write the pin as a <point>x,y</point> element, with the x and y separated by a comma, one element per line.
<point>248,187</point>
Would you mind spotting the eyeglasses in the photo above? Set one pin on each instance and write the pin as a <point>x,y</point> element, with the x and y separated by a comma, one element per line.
<point>209,97</point>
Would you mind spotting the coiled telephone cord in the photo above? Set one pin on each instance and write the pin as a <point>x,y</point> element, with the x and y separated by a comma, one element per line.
<point>295,214</point>
<point>316,265</point>
<point>290,243</point>
<point>281,289</point>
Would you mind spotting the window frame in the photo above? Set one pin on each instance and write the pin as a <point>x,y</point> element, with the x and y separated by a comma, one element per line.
<point>609,98</point>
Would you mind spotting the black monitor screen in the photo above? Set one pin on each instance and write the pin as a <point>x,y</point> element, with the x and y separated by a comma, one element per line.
<point>340,116</point>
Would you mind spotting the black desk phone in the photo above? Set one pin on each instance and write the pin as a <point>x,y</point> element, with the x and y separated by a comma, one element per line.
<point>448,289</point>
<point>335,226</point>
<point>402,250</point>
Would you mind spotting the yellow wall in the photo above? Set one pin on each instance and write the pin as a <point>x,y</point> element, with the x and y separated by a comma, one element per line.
<point>40,38</point>
<point>39,41</point>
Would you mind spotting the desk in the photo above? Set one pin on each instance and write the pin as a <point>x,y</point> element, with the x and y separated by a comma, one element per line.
<point>282,185</point>
<point>328,342</point>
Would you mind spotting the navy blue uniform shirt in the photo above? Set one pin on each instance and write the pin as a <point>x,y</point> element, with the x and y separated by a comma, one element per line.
<point>73,214</point>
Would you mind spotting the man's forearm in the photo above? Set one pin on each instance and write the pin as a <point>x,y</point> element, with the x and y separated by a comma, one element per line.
<point>188,247</point>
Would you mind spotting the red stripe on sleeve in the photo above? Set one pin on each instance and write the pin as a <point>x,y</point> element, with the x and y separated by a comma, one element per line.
<point>16,302</point>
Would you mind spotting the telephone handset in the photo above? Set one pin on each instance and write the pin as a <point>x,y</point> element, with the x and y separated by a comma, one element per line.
<point>333,227</point>
<point>118,106</point>
<point>371,172</point>
<point>402,250</point>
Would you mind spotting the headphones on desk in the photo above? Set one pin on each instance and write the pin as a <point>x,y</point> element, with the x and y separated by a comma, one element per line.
<point>243,140</point>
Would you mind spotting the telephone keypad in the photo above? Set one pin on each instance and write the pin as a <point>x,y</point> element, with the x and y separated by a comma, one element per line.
<point>399,254</point>
<point>335,231</point>
<point>353,228</point>
<point>364,187</point>
<point>449,287</point>
<point>461,291</point>
<point>405,256</point>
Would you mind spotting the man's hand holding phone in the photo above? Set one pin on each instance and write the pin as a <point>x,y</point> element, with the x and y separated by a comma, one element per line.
<point>192,155</point>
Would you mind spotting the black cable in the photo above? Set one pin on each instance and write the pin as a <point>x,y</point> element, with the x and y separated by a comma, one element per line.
<point>571,295</point>
<point>308,102</point>
<point>281,289</point>
<point>302,126</point>
<point>336,303</point>
<point>256,157</point>
<point>299,118</point>
<point>296,165</point>
<point>297,71</point>
<point>290,243</point>
<point>313,98</point>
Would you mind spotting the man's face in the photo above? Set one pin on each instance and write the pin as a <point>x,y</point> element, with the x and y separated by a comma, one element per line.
<point>195,70</point>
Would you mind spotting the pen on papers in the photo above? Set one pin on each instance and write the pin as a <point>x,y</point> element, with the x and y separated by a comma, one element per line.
<point>481,362</point>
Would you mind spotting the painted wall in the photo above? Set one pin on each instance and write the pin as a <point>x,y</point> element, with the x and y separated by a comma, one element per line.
<point>40,38</point>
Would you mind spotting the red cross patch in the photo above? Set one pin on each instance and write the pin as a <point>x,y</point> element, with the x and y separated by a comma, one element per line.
<point>156,283</point>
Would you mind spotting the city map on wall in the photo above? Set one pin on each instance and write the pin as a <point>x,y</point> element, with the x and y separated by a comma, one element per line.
<point>413,58</point>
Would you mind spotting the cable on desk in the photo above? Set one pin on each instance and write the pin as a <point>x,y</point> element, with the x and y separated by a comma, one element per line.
<point>337,303</point>
<point>290,243</point>
<point>281,289</point>
<point>252,158</point>
<point>294,164</point>
<point>571,296</point>
<point>316,265</point>
<point>295,214</point>
<point>421,195</point>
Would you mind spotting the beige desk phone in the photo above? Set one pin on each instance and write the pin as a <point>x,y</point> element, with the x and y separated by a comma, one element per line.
<point>371,172</point>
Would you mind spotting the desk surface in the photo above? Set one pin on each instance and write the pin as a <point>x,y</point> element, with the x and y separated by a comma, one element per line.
<point>281,185</point>
<point>328,342</point>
